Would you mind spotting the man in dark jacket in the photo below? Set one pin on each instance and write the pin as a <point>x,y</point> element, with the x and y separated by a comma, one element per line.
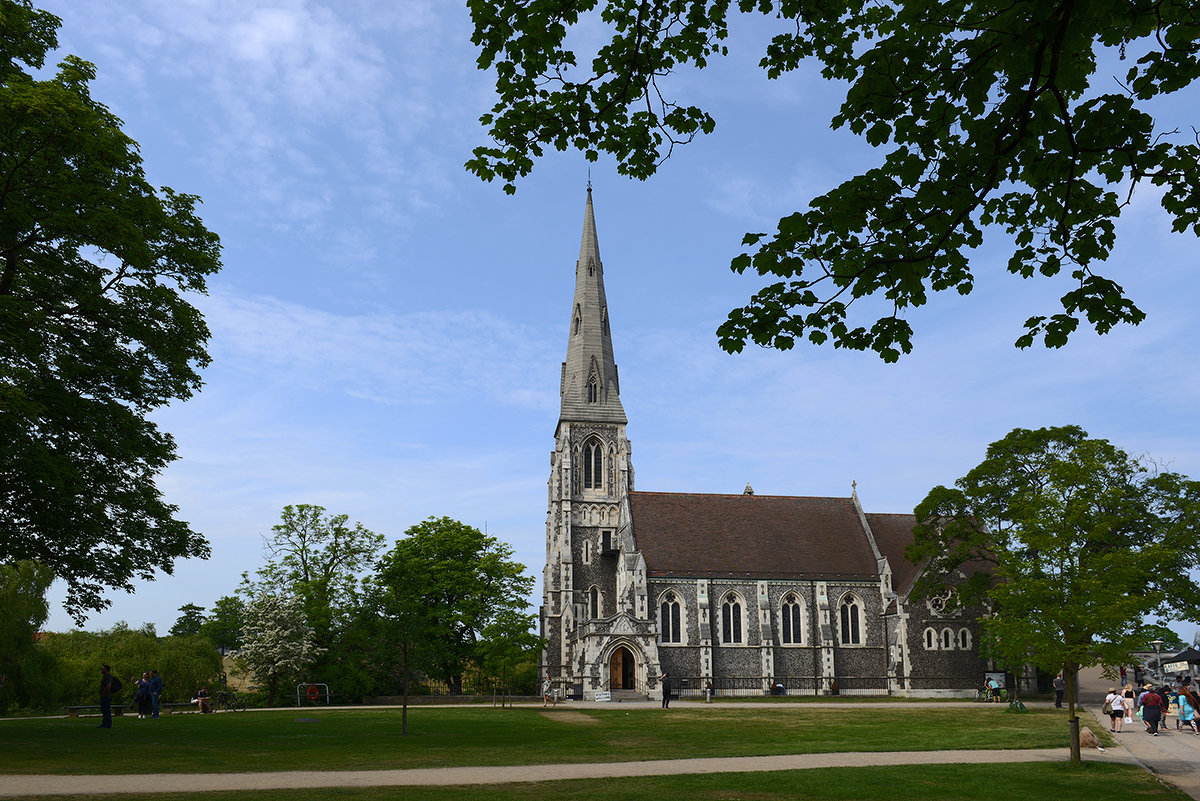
<point>106,694</point>
<point>155,690</point>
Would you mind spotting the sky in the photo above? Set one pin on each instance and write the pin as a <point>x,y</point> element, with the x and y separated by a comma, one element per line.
<point>387,330</point>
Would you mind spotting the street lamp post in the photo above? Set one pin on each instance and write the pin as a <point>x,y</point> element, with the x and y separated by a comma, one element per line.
<point>1158,644</point>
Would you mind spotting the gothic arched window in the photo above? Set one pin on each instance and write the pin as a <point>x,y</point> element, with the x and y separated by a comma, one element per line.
<point>593,390</point>
<point>670,619</point>
<point>593,465</point>
<point>731,620</point>
<point>594,603</point>
<point>792,621</point>
<point>851,614</point>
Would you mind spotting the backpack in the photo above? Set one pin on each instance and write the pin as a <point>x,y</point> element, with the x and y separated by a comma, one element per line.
<point>115,687</point>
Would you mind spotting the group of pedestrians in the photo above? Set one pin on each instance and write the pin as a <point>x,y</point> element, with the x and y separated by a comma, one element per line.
<point>147,690</point>
<point>1153,705</point>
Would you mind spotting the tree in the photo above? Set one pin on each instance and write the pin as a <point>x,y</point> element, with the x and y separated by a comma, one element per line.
<point>277,641</point>
<point>26,671</point>
<point>990,113</point>
<point>458,580</point>
<point>507,644</point>
<point>318,557</point>
<point>224,624</point>
<point>190,620</point>
<point>1071,542</point>
<point>95,331</point>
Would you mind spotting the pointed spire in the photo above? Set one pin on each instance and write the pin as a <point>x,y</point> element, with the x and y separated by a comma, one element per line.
<point>589,387</point>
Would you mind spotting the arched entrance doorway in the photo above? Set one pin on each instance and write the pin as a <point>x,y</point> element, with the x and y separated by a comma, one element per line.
<point>622,670</point>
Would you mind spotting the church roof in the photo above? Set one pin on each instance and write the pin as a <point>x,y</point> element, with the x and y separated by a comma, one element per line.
<point>893,533</point>
<point>751,536</point>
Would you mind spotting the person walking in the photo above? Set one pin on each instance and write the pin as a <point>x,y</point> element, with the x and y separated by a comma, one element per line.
<point>1151,704</point>
<point>1114,703</point>
<point>665,680</point>
<point>156,687</point>
<point>1187,712</point>
<point>548,693</point>
<point>108,685</point>
<point>1059,687</point>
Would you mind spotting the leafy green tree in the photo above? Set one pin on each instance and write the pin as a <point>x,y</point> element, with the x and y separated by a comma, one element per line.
<point>402,630</point>
<point>95,331</point>
<point>508,644</point>
<point>190,620</point>
<point>996,120</point>
<point>27,672</point>
<point>224,624</point>
<point>462,580</point>
<point>278,644</point>
<point>318,557</point>
<point>185,662</point>
<point>1071,542</point>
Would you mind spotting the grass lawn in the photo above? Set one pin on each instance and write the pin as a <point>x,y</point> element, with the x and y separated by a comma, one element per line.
<point>1018,782</point>
<point>371,739</point>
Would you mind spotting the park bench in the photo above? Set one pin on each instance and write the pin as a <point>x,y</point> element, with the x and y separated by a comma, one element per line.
<point>177,706</point>
<point>75,711</point>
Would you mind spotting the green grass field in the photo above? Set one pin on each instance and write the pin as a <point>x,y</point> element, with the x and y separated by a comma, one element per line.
<point>439,737</point>
<point>370,739</point>
<point>1017,782</point>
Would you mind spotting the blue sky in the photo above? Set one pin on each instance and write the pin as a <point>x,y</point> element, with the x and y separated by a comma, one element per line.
<point>387,330</point>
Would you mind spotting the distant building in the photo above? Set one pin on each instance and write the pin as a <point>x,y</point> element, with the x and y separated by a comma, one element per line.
<point>744,593</point>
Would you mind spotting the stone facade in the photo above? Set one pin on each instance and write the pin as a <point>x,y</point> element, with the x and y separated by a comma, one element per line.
<point>737,593</point>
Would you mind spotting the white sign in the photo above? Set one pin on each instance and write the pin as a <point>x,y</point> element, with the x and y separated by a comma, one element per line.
<point>603,695</point>
<point>1175,667</point>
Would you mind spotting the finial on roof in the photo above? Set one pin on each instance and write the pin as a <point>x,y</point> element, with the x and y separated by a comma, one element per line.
<point>854,488</point>
<point>749,490</point>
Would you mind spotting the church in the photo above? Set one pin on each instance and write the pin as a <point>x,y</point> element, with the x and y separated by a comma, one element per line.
<point>738,594</point>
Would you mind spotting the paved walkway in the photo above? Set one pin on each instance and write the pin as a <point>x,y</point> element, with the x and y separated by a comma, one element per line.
<point>19,786</point>
<point>1174,757</point>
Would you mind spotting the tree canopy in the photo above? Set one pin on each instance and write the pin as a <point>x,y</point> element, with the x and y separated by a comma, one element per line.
<point>95,328</point>
<point>1070,542</point>
<point>992,118</point>
<point>441,586</point>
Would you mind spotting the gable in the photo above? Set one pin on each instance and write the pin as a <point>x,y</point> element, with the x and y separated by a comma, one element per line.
<point>750,536</point>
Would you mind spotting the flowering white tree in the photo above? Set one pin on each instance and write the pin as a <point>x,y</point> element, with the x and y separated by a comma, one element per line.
<point>277,641</point>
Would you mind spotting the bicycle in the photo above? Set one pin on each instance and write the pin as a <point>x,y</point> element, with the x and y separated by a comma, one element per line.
<point>229,701</point>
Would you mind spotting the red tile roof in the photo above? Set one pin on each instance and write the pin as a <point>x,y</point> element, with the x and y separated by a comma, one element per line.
<point>750,536</point>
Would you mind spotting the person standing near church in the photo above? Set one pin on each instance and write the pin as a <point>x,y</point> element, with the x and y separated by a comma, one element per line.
<point>548,693</point>
<point>106,693</point>
<point>665,681</point>
<point>156,687</point>
<point>1059,687</point>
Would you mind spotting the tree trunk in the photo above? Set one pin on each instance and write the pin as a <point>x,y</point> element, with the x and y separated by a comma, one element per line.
<point>404,692</point>
<point>1070,675</point>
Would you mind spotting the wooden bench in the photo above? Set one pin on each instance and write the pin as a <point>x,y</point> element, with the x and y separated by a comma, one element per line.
<point>177,706</point>
<point>75,711</point>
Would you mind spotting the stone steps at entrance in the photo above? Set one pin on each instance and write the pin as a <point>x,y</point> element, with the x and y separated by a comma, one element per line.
<point>628,695</point>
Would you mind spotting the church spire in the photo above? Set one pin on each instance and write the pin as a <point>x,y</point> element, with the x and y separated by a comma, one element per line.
<point>589,386</point>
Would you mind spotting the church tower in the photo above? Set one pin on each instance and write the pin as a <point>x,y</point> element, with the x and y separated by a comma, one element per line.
<point>590,478</point>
